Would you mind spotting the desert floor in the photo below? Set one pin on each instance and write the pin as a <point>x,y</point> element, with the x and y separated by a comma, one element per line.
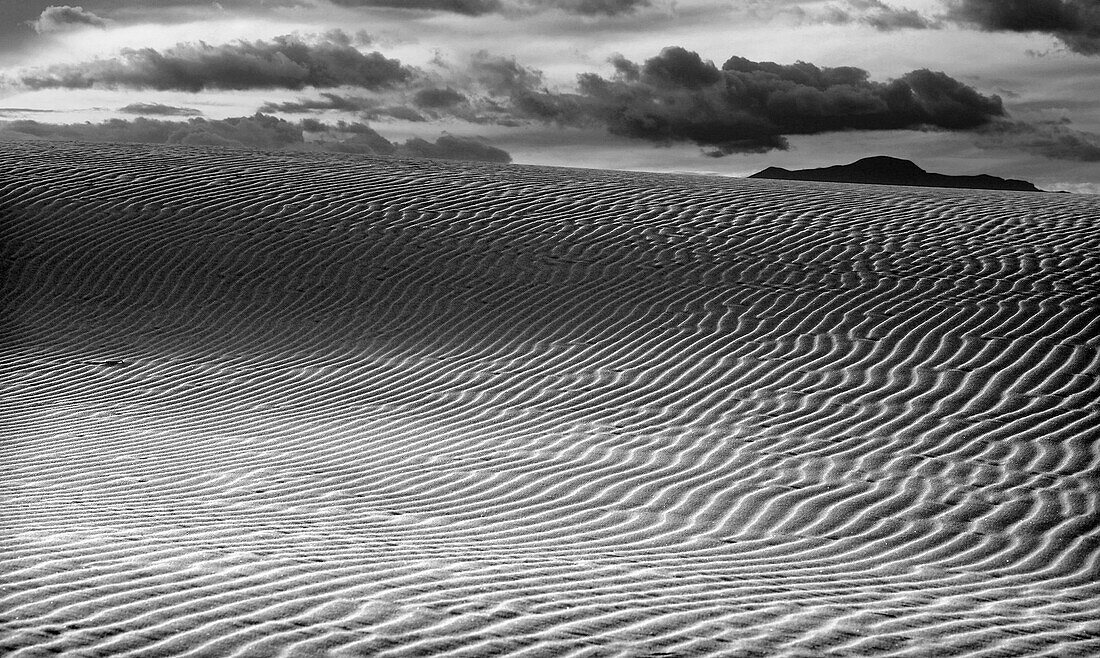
<point>290,404</point>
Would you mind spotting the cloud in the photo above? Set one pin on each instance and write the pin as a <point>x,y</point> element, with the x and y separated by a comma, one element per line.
<point>326,101</point>
<point>436,98</point>
<point>595,7</point>
<point>264,132</point>
<point>287,62</point>
<point>748,106</point>
<point>515,7</point>
<point>56,19</point>
<point>159,109</point>
<point>743,106</point>
<point>502,75</point>
<point>257,131</point>
<point>874,13</point>
<point>449,147</point>
<point>24,110</point>
<point>466,7</point>
<point>1074,22</point>
<point>346,137</point>
<point>886,18</point>
<point>1051,139</point>
<point>368,108</point>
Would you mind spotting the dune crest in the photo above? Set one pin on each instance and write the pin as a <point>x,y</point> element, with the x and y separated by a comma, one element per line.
<point>266,402</point>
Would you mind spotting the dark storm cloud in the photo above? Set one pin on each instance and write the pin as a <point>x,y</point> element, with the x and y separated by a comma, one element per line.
<point>53,19</point>
<point>676,67</point>
<point>286,62</point>
<point>1075,22</point>
<point>159,109</point>
<point>1055,140</point>
<point>624,68</point>
<point>434,97</point>
<point>748,106</point>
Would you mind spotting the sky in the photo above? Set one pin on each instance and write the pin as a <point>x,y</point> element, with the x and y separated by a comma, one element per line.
<point>1004,87</point>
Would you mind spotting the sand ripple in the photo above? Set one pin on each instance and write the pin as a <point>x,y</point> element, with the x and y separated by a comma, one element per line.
<point>271,404</point>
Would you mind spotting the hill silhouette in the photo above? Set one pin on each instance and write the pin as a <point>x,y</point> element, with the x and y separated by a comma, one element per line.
<point>885,170</point>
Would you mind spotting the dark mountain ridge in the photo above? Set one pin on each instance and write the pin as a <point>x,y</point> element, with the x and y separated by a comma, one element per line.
<point>885,170</point>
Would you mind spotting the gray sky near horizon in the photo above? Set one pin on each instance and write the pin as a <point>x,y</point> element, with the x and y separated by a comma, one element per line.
<point>958,86</point>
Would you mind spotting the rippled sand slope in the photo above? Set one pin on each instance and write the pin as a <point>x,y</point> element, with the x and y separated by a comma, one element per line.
<point>261,403</point>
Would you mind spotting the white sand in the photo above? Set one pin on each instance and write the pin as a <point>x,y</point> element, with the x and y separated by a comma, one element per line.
<point>256,403</point>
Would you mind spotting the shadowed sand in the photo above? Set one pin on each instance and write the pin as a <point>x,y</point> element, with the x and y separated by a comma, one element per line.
<point>261,403</point>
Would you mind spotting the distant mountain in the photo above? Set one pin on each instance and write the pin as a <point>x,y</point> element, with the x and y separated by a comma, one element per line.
<point>884,170</point>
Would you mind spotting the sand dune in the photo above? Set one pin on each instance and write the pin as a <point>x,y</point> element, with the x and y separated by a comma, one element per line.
<point>277,404</point>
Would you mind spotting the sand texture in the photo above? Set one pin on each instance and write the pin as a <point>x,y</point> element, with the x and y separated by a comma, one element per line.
<point>259,404</point>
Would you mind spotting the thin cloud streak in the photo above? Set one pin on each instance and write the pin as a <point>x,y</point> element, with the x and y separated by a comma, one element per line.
<point>265,132</point>
<point>158,109</point>
<point>516,8</point>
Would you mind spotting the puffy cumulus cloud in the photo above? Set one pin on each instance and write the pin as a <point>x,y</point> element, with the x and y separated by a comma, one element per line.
<point>159,109</point>
<point>264,132</point>
<point>64,17</point>
<point>1075,22</point>
<point>287,62</point>
<point>1051,139</point>
<point>748,106</point>
<point>676,67</point>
